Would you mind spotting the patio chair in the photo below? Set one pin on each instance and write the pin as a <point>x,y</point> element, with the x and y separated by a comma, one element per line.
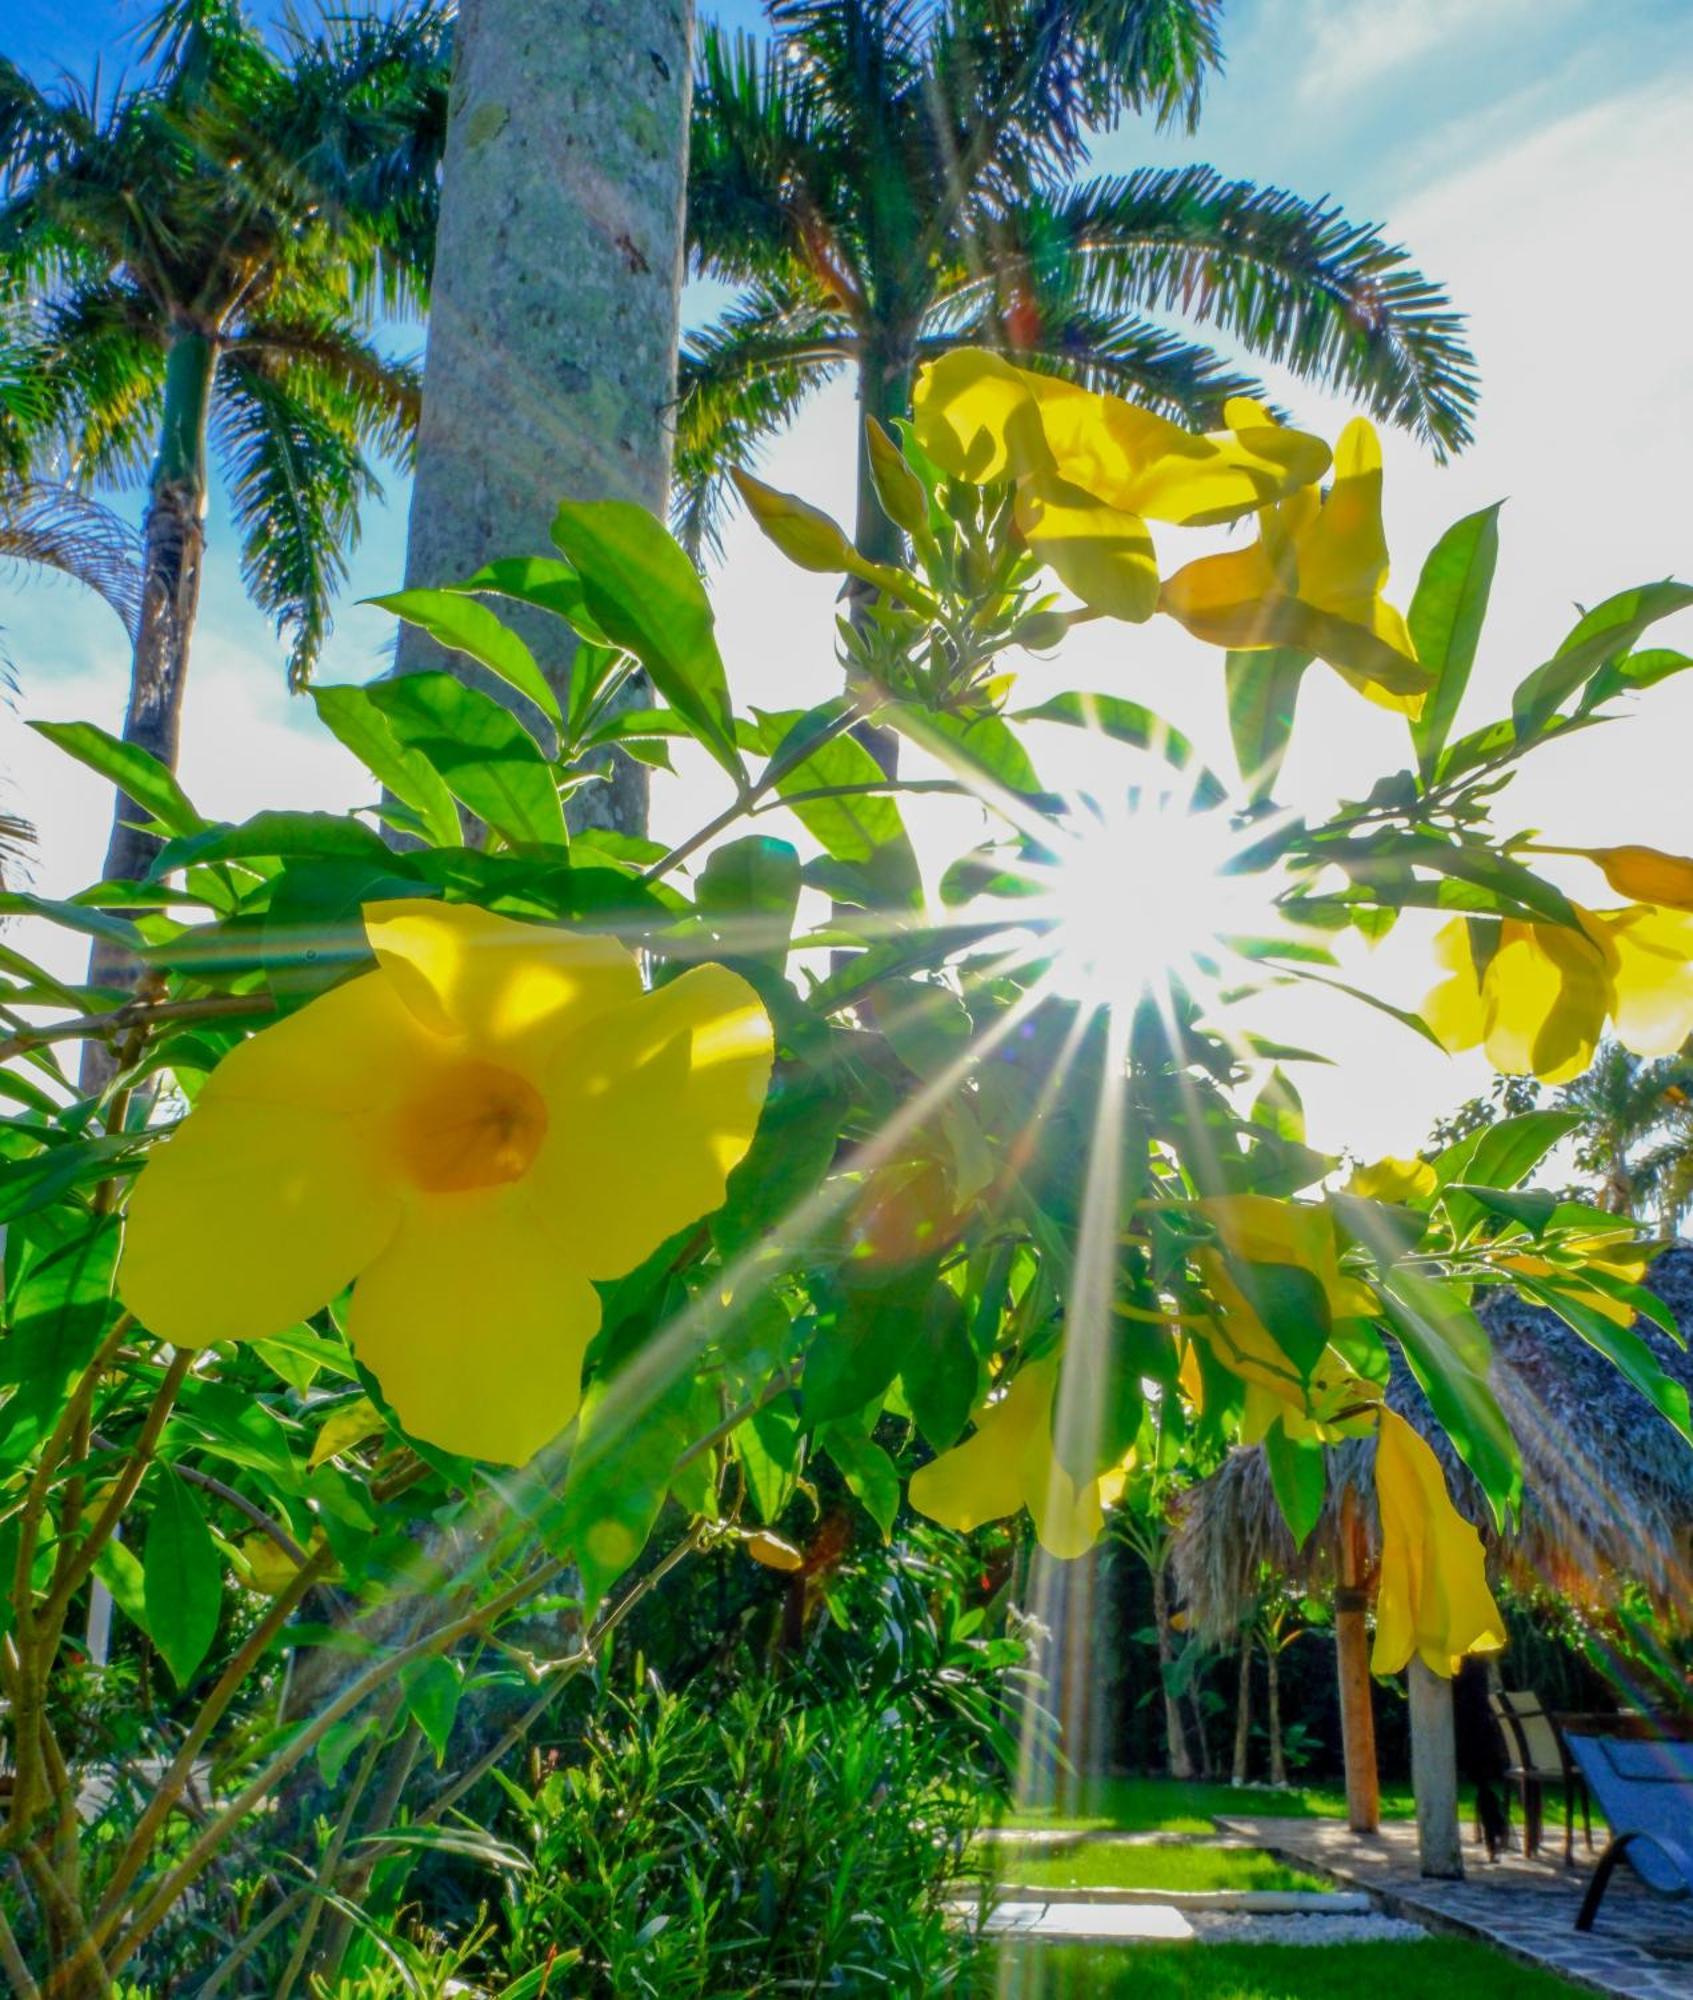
<point>1645,1789</point>
<point>1538,1758</point>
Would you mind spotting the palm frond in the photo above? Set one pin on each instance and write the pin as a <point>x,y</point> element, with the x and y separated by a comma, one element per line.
<point>55,527</point>
<point>739,382</point>
<point>1293,281</point>
<point>377,397</point>
<point>749,157</point>
<point>81,387</point>
<point>295,479</point>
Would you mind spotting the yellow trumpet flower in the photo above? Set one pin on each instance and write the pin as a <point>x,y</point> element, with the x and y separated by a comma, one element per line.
<point>1009,1463</point>
<point>1432,1598</point>
<point>1091,470</point>
<point>1312,580</point>
<point>469,1134</point>
<point>1540,1004</point>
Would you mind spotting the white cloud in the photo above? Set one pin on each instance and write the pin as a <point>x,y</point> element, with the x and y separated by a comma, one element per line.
<point>1355,44</point>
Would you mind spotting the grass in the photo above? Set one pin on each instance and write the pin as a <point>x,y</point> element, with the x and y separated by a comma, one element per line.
<point>1164,1805</point>
<point>1117,1865</point>
<point>1430,1969</point>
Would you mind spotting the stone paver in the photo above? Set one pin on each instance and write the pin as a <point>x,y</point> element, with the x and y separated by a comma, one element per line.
<point>1107,1923</point>
<point>1641,1947</point>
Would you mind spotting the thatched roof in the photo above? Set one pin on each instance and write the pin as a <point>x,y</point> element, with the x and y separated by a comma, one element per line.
<point>1608,1484</point>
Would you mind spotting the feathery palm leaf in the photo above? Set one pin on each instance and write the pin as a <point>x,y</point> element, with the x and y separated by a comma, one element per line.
<point>56,527</point>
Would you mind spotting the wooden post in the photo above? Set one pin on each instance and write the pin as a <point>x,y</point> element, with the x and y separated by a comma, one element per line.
<point>1434,1774</point>
<point>1352,1662</point>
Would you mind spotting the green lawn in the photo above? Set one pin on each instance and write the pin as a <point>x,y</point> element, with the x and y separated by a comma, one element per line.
<point>1433,1969</point>
<point>1162,1805</point>
<point>1118,1865</point>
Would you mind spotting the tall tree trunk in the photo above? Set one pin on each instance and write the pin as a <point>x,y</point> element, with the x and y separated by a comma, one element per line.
<point>1352,1661</point>
<point>173,551</point>
<point>1434,1774</point>
<point>1243,1712</point>
<point>1175,1737</point>
<point>553,324</point>
<point>1273,1713</point>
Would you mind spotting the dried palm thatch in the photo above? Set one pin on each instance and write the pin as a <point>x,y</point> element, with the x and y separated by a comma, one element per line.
<point>1607,1483</point>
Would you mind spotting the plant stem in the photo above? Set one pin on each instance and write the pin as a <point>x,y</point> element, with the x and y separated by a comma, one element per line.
<point>779,767</point>
<point>115,1019</point>
<point>171,1785</point>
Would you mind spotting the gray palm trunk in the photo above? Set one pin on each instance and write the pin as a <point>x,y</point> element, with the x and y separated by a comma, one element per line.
<point>552,340</point>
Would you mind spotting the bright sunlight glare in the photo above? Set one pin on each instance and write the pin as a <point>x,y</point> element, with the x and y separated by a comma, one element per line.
<point>1142,896</point>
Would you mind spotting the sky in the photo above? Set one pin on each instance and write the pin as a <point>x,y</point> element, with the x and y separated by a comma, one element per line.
<point>1536,157</point>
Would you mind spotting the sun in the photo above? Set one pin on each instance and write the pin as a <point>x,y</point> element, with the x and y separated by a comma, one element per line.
<point>1139,895</point>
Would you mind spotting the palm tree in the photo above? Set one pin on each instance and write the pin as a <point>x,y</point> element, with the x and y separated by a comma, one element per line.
<point>890,178</point>
<point>1636,1136</point>
<point>195,263</point>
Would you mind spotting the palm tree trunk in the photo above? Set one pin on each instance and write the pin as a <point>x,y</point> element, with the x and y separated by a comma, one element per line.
<point>1243,1712</point>
<point>884,392</point>
<point>1273,1713</point>
<point>553,324</point>
<point>173,550</point>
<point>1175,1737</point>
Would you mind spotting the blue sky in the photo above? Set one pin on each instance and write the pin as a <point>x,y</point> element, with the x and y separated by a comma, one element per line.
<point>1534,154</point>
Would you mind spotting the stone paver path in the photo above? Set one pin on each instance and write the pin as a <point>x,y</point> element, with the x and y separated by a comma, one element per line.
<point>1641,1947</point>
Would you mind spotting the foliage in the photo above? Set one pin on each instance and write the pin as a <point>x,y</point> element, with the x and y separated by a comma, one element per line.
<point>266,201</point>
<point>756,1845</point>
<point>889,182</point>
<point>982,1161</point>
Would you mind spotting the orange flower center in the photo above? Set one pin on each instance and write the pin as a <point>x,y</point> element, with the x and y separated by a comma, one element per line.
<point>476,1126</point>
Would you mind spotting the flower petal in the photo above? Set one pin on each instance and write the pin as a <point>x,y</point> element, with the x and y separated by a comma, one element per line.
<point>512,987</point>
<point>1104,556</point>
<point>474,1326</point>
<point>273,1193</point>
<point>650,1108</point>
<point>1433,1598</point>
<point>1653,1009</point>
<point>975,417</point>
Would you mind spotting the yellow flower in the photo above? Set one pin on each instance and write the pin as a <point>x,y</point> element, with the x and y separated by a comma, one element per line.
<point>1392,1180</point>
<point>1432,1599</point>
<point>1009,1463</point>
<point>1312,580</point>
<point>1540,1004</point>
<point>1259,1232</point>
<point>492,1118</point>
<point>1091,470</point>
<point>1643,874</point>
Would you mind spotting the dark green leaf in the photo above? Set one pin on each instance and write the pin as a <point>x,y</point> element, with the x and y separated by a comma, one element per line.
<point>1298,1479</point>
<point>432,1688</point>
<point>1505,1154</point>
<point>940,1370</point>
<point>869,1474</point>
<point>26,1185</point>
<point>486,758</point>
<point>749,890</point>
<point>539,581</point>
<point>862,829</point>
<point>646,596</point>
<point>1446,617</point>
<point>1292,1304</point>
<point>284,835</point>
<point>184,1577</point>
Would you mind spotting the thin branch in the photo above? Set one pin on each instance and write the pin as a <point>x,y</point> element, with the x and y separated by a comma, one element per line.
<point>132,1012</point>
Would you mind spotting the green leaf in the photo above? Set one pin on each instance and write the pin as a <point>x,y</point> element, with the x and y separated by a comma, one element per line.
<point>1620,1345</point>
<point>870,1475</point>
<point>768,1446</point>
<point>135,772</point>
<point>1446,617</point>
<point>1633,672</point>
<point>854,1357</point>
<point>1450,1355</point>
<point>861,829</point>
<point>986,743</point>
<point>184,1578</point>
<point>1128,722</point>
<point>1263,694</point>
<point>60,1306</point>
<point>1601,636</point>
<point>749,891</point>
<point>1505,1154</point>
<point>337,1744</point>
<point>940,1370</point>
<point>119,1569</point>
<point>798,1135</point>
<point>646,596</point>
<point>26,1185</point>
<point>465,626</point>
<point>357,722</point>
<point>284,835</point>
<point>431,1689</point>
<point>1293,1306</point>
<point>486,758</point>
<point>1298,1478</point>
<point>539,581</point>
